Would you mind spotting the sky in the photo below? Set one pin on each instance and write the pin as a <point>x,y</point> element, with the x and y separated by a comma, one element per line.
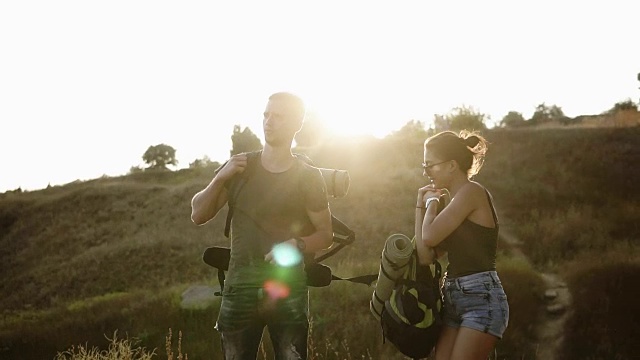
<point>87,86</point>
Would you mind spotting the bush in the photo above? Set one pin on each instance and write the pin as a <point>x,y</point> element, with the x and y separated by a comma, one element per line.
<point>604,323</point>
<point>523,286</point>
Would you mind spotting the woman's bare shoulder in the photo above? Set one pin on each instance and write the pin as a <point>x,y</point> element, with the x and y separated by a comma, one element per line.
<point>472,190</point>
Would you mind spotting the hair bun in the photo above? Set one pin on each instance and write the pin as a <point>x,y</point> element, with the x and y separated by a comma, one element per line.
<point>472,141</point>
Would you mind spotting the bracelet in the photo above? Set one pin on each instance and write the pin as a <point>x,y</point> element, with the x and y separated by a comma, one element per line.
<point>421,207</point>
<point>300,244</point>
<point>429,200</point>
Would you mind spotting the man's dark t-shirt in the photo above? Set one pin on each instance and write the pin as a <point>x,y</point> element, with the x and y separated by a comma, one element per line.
<point>269,209</point>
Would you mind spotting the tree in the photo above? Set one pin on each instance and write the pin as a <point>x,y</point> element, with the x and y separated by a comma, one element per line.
<point>159,156</point>
<point>463,118</point>
<point>627,105</point>
<point>244,141</point>
<point>545,114</point>
<point>624,113</point>
<point>203,163</point>
<point>411,131</point>
<point>404,146</point>
<point>135,170</point>
<point>513,119</point>
<point>440,123</point>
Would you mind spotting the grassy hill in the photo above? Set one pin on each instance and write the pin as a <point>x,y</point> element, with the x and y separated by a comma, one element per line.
<point>86,259</point>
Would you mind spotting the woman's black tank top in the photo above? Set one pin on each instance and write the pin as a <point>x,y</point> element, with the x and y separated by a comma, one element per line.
<point>471,247</point>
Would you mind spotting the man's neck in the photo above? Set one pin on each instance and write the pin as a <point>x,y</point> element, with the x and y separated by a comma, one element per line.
<point>277,158</point>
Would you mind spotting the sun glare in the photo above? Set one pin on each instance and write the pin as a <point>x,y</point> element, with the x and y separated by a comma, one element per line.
<point>349,126</point>
<point>348,120</point>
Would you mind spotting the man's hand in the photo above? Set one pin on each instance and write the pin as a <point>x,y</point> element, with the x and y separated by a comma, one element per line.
<point>292,254</point>
<point>236,164</point>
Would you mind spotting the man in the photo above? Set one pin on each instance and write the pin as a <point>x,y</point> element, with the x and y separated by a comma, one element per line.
<point>282,205</point>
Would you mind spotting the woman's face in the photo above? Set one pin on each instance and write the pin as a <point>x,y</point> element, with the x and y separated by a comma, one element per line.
<point>433,167</point>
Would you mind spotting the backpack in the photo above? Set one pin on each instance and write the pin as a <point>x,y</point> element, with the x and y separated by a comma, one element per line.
<point>318,275</point>
<point>410,318</point>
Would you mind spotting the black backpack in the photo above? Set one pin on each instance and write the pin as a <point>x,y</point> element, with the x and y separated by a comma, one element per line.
<point>318,275</point>
<point>410,318</point>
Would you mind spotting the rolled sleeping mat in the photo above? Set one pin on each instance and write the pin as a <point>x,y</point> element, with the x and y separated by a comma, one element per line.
<point>395,257</point>
<point>337,181</point>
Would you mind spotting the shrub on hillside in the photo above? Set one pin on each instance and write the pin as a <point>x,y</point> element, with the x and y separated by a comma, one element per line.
<point>604,323</point>
<point>523,286</point>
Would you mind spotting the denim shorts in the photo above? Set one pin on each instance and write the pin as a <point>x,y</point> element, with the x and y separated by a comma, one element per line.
<point>476,301</point>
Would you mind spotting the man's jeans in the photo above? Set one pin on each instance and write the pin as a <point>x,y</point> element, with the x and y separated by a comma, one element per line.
<point>245,312</point>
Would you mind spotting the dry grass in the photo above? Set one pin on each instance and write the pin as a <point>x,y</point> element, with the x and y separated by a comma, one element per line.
<point>122,349</point>
<point>169,348</point>
<point>128,349</point>
<point>119,349</point>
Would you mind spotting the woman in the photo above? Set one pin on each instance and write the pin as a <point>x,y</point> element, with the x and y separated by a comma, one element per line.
<point>475,311</point>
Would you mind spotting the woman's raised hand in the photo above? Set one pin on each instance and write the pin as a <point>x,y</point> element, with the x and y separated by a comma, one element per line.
<point>426,192</point>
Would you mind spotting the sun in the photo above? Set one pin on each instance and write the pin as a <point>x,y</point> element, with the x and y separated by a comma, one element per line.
<point>349,121</point>
<point>344,125</point>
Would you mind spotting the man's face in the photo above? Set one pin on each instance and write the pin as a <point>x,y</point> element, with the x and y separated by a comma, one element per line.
<point>280,123</point>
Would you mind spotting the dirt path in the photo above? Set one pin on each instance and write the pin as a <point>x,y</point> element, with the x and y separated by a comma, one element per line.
<point>550,332</point>
<point>558,298</point>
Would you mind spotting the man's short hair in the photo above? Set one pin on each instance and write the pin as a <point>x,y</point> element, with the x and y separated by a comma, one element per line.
<point>294,102</point>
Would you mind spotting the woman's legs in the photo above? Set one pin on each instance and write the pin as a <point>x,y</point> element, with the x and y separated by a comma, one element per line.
<point>464,344</point>
<point>472,344</point>
<point>445,343</point>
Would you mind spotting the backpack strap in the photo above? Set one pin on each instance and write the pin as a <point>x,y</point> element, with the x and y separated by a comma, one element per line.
<point>362,279</point>
<point>493,209</point>
<point>235,190</point>
<point>342,235</point>
<point>318,275</point>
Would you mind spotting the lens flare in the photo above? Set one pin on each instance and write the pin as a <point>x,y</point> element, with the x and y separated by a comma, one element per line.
<point>286,255</point>
<point>276,289</point>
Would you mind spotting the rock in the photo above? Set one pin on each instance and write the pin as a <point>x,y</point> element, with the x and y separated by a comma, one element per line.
<point>556,309</point>
<point>550,294</point>
<point>199,297</point>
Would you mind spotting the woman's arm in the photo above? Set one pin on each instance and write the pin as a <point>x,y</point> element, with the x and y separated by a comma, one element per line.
<point>436,227</point>
<point>426,254</point>
<point>426,209</point>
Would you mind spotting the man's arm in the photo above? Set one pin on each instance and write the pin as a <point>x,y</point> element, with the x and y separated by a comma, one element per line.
<point>206,203</point>
<point>322,238</point>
